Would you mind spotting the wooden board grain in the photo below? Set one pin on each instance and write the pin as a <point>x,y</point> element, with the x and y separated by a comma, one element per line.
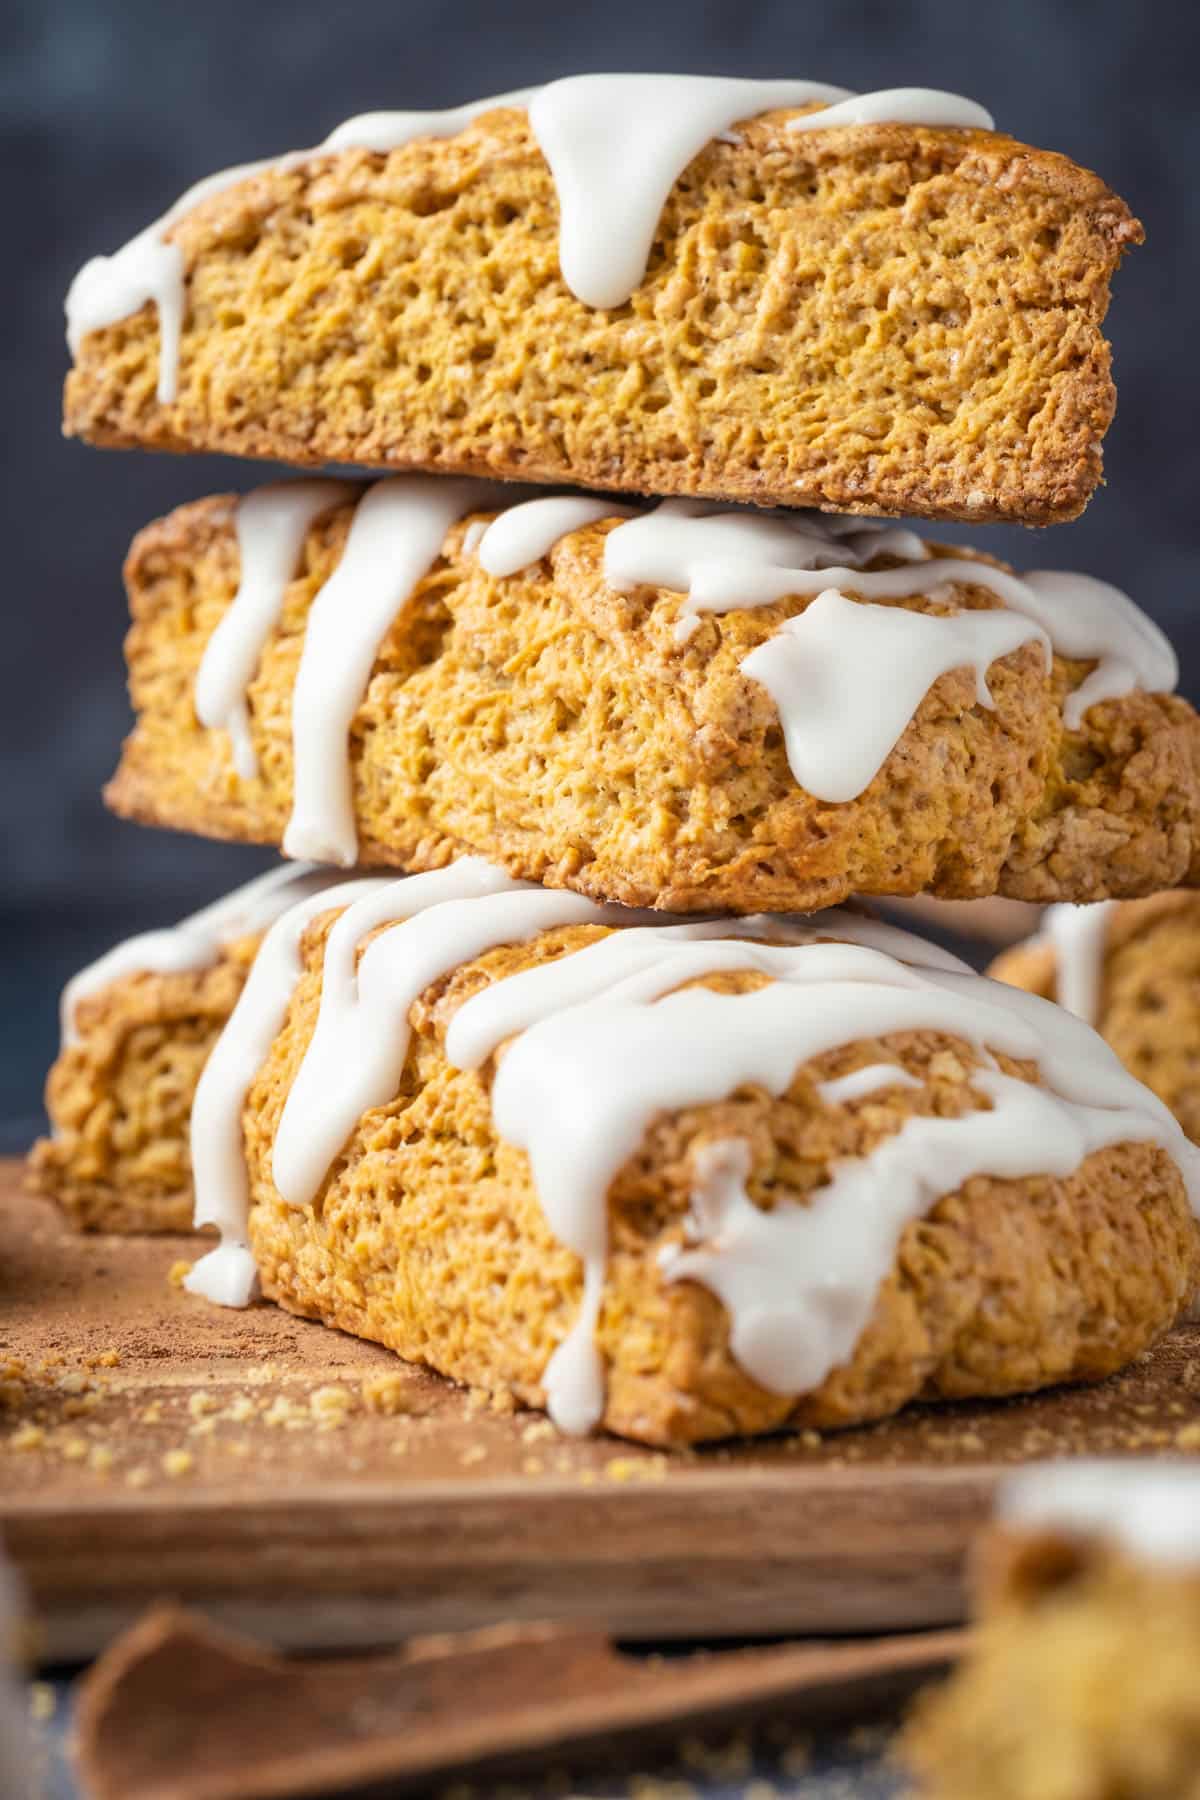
<point>154,1447</point>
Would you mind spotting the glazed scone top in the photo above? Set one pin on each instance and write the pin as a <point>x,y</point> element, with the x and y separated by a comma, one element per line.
<point>599,1041</point>
<point>847,674</point>
<point>1148,1510</point>
<point>615,144</point>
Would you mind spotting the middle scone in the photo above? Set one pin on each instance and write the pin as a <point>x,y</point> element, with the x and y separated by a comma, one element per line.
<point>678,705</point>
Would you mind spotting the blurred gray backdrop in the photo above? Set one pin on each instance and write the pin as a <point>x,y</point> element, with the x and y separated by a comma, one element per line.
<point>112,107</point>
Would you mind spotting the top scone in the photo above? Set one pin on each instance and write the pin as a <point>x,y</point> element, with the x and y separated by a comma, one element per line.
<point>881,317</point>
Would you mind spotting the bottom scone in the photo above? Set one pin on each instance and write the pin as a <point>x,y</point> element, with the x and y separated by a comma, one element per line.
<point>137,1028</point>
<point>1083,1681</point>
<point>686,1181</point>
<point>1131,969</point>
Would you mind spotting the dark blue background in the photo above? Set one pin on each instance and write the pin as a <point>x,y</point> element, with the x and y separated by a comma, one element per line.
<point>109,110</point>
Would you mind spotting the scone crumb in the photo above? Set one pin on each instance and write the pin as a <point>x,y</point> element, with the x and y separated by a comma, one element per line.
<point>330,1405</point>
<point>636,1468</point>
<point>74,1449</point>
<point>178,1272</point>
<point>200,1404</point>
<point>474,1453</point>
<point>139,1477</point>
<point>177,1462</point>
<point>27,1437</point>
<point>391,1394</point>
<point>1188,1436</point>
<point>101,1459</point>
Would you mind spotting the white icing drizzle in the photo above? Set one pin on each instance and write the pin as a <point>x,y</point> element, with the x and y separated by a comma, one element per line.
<point>396,536</point>
<point>1089,619</point>
<point>196,942</point>
<point>899,106</point>
<point>522,535</point>
<point>227,1274</point>
<point>579,1088</point>
<point>1078,935</point>
<point>1147,1509</point>
<point>357,1052</point>
<point>601,1041</point>
<point>610,202</point>
<point>848,677</point>
<point>272,524</point>
<point>616,145</point>
<point>861,1082</point>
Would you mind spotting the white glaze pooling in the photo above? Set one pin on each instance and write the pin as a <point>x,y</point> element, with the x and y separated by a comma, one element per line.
<point>195,943</point>
<point>227,1275</point>
<point>1078,935</point>
<point>396,536</point>
<point>1089,619</point>
<point>847,678</point>
<point>616,145</point>
<point>272,524</point>
<point>1147,1509</point>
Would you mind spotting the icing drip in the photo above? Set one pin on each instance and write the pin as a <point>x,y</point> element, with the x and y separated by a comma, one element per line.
<point>1089,619</point>
<point>848,677</point>
<point>397,535</point>
<point>616,144</point>
<point>195,943</point>
<point>227,1274</point>
<point>1147,1510</point>
<point>524,534</point>
<point>608,220</point>
<point>899,106</point>
<point>604,1039</point>
<point>1078,935</point>
<point>800,1282</point>
<point>272,524</point>
<point>594,1066</point>
<point>861,1082</point>
<point>355,1058</point>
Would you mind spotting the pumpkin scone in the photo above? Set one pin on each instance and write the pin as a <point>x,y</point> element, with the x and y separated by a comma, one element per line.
<point>683,1181</point>
<point>1133,971</point>
<point>680,706</point>
<point>755,291</point>
<point>1081,1682</point>
<point>137,1028</point>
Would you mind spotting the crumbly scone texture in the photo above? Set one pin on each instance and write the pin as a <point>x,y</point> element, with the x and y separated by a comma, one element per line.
<point>427,1236</point>
<point>556,727</point>
<point>1149,994</point>
<point>1081,1684</point>
<point>882,319</point>
<point>120,1096</point>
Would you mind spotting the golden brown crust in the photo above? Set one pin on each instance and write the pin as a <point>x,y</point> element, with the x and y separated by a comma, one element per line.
<point>1149,993</point>
<point>120,1096</point>
<point>1081,1683</point>
<point>428,1236</point>
<point>555,726</point>
<point>811,329</point>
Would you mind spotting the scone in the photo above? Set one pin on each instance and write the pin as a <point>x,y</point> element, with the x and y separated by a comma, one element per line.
<point>1133,971</point>
<point>1082,1682</point>
<point>665,285</point>
<point>683,1181</point>
<point>687,707</point>
<point>137,1027</point>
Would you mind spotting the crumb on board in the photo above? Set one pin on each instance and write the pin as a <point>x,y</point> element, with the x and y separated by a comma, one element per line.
<point>391,1393</point>
<point>178,1272</point>
<point>177,1462</point>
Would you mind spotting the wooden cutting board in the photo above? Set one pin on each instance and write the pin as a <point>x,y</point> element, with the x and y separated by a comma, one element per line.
<point>156,1447</point>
